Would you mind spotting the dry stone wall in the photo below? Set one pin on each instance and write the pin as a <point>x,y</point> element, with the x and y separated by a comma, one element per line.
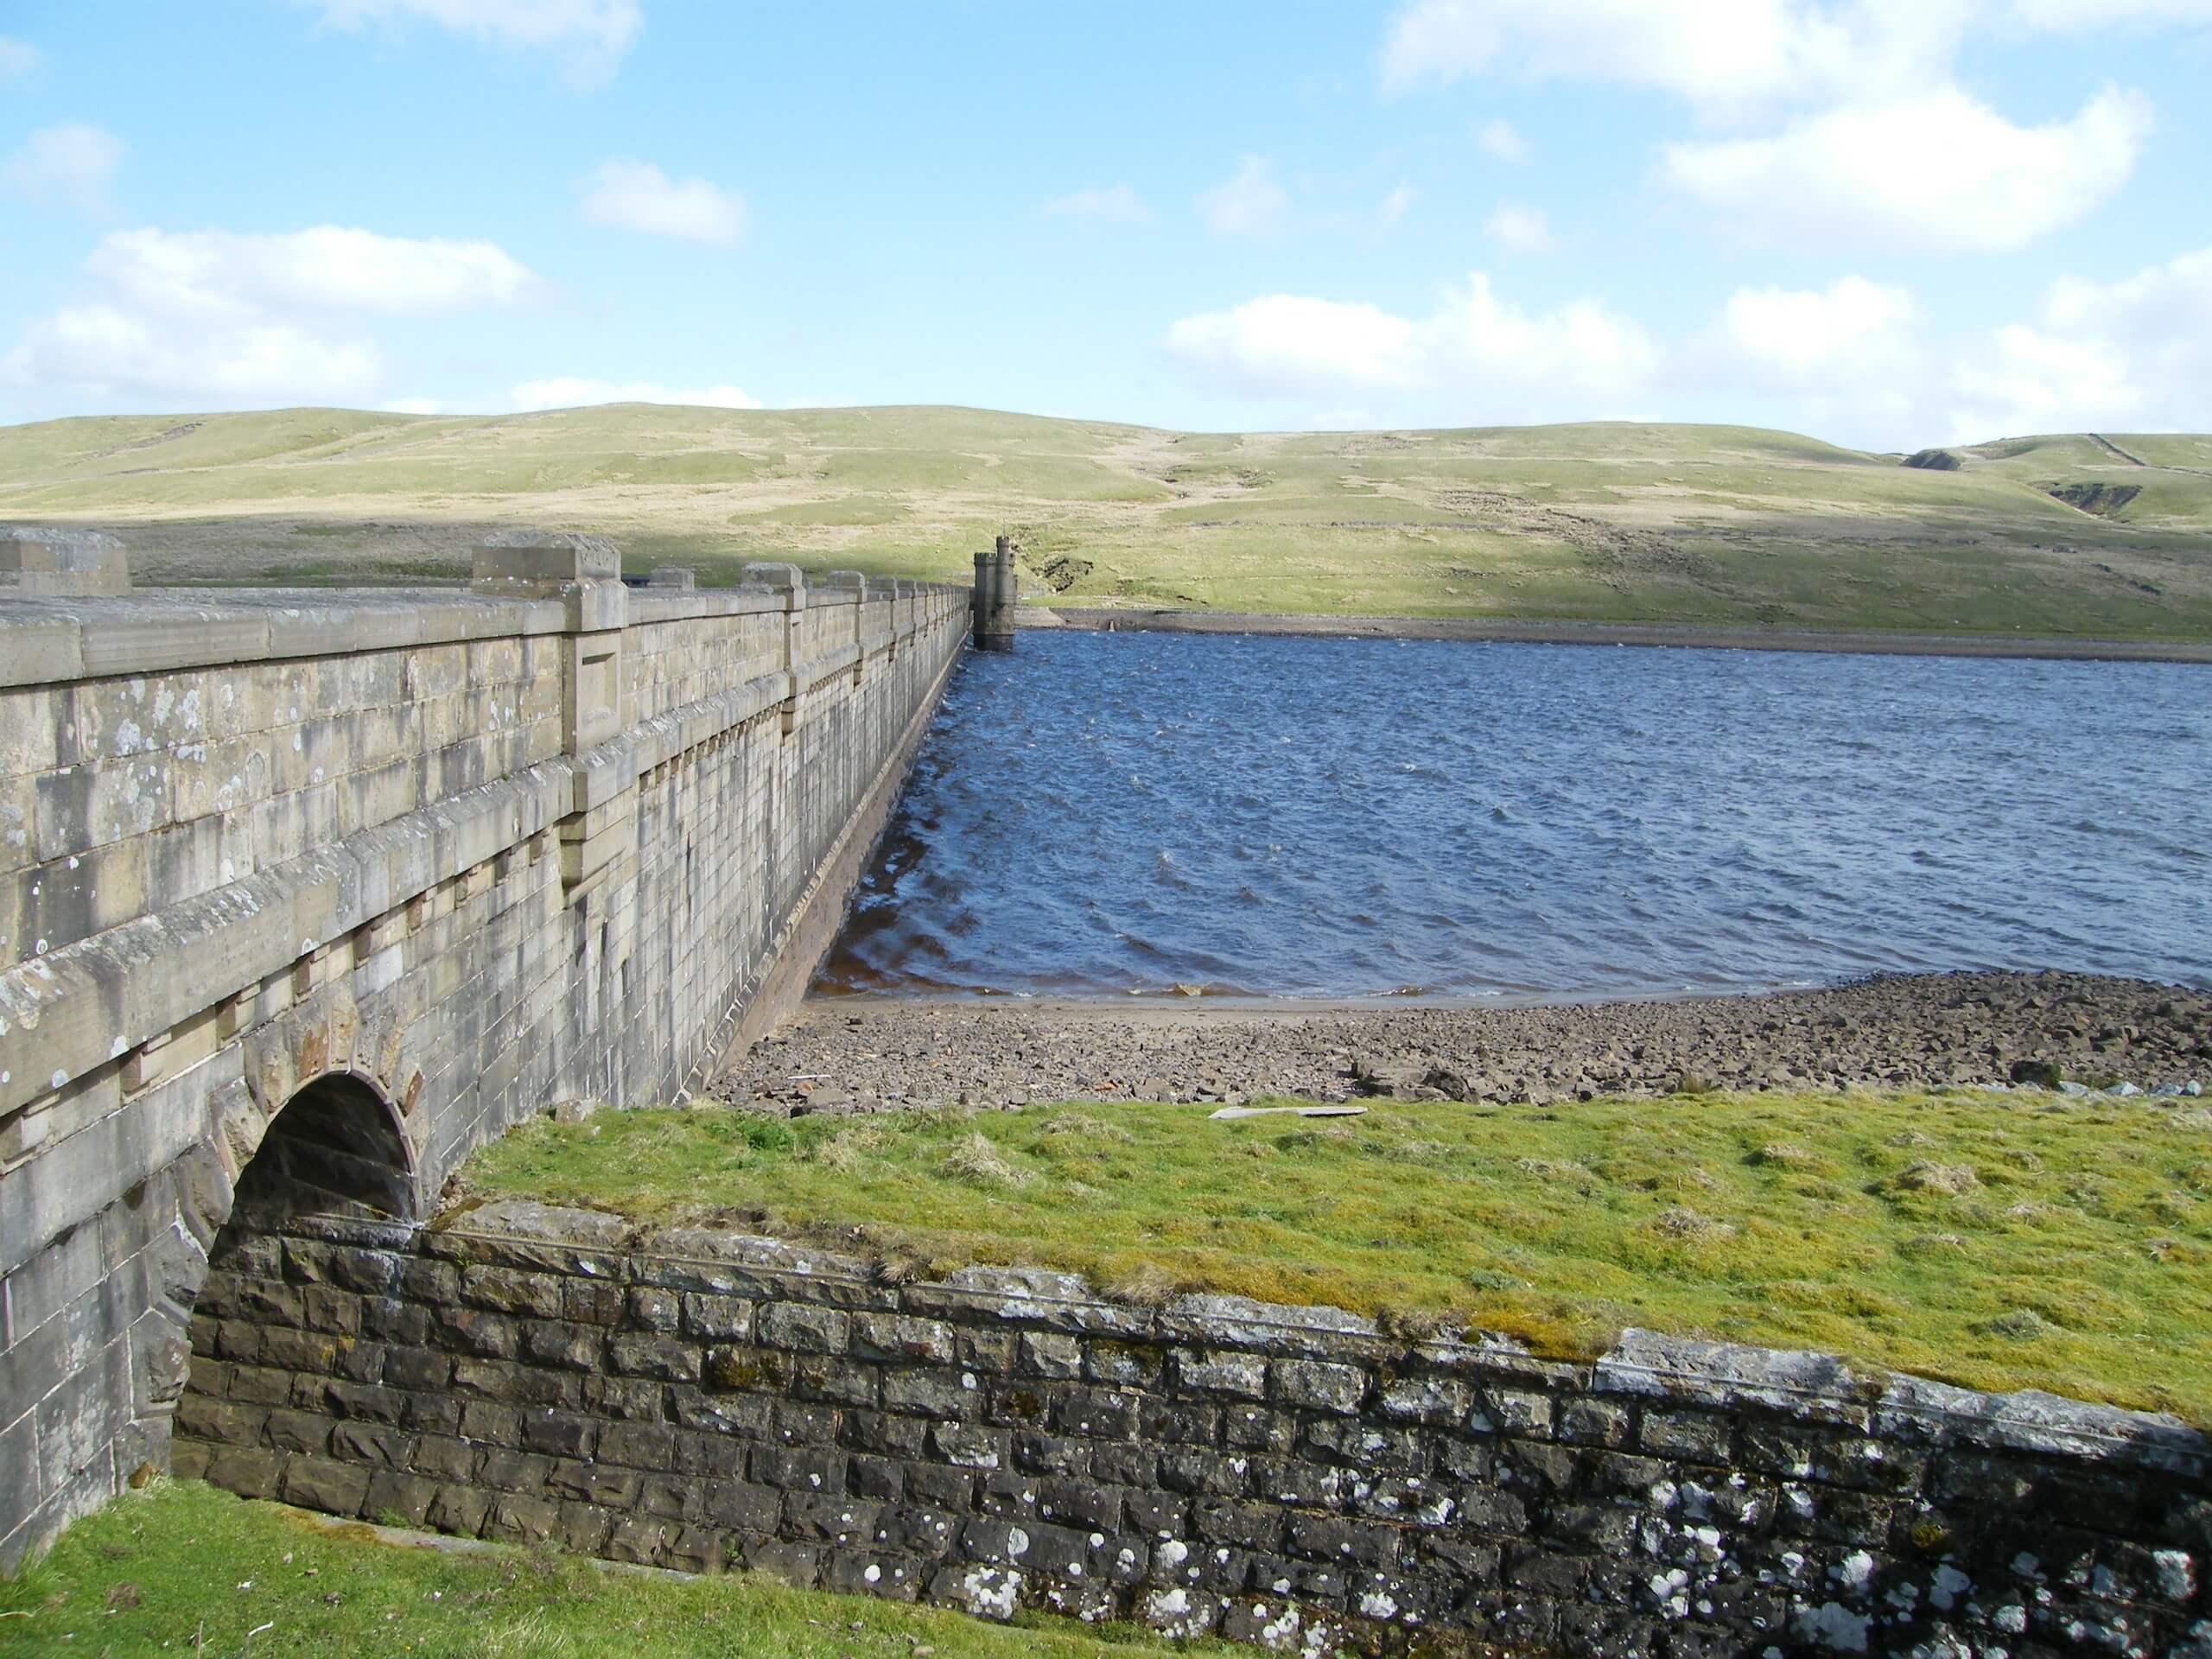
<point>1289,1477</point>
<point>463,853</point>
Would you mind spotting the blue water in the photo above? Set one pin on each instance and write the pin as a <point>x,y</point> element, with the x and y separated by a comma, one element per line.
<point>1105,813</point>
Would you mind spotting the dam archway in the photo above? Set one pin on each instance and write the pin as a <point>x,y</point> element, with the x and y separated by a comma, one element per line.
<point>335,1148</point>
<point>298,1276</point>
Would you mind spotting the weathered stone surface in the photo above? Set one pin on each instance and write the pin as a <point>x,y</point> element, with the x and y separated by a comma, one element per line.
<point>61,562</point>
<point>449,856</point>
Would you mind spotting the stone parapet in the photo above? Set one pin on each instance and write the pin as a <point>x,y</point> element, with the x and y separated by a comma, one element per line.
<point>63,564</point>
<point>1296,1477</point>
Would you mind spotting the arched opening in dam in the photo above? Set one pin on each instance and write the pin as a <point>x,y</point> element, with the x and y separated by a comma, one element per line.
<point>335,1149</point>
<point>294,1280</point>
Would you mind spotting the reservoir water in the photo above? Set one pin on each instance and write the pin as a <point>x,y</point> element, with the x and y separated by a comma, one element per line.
<point>1106,813</point>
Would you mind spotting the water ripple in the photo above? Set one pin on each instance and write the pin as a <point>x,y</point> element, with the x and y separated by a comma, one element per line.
<point>1113,812</point>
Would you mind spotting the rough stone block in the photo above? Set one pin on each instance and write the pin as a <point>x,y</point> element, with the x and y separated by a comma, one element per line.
<point>971,1446</point>
<point>953,1487</point>
<point>370,1443</point>
<point>1698,1437</point>
<point>531,562</point>
<point>878,1431</point>
<point>1038,1454</point>
<point>1195,1470</point>
<point>561,1434</point>
<point>638,1446</point>
<point>508,1290</point>
<point>536,1519</point>
<point>901,1337</point>
<point>805,1422</point>
<point>725,1317</point>
<point>651,1308</point>
<point>472,1331</point>
<point>805,1329</point>
<point>250,1472</point>
<point>323,1484</point>
<point>1318,1386</point>
<point>61,563</point>
<point>670,1359</point>
<point>446,1458</point>
<point>459,1509</point>
<point>930,1392</point>
<point>800,1468</point>
<point>1244,1375</point>
<point>488,1424</point>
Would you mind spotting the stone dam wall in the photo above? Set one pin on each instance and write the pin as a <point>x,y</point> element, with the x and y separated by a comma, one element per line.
<point>1289,1477</point>
<point>303,895</point>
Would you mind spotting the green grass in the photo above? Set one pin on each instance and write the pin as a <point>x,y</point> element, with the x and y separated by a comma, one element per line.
<point>1604,522</point>
<point>2075,1254</point>
<point>183,1567</point>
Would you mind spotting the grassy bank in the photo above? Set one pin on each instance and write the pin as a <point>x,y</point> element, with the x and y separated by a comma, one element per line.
<point>186,1568</point>
<point>1997,1241</point>
<point>1598,523</point>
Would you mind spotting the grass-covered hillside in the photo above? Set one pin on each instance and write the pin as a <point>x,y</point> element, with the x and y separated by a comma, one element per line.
<point>1609,523</point>
<point>1998,1241</point>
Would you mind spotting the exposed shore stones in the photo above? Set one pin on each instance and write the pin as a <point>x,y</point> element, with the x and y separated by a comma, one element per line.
<point>1289,1477</point>
<point>869,1054</point>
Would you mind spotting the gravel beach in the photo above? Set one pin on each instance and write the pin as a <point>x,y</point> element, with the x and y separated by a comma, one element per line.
<point>861,1054</point>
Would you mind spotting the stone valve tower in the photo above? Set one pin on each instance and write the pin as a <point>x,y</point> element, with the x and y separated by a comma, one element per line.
<point>996,588</point>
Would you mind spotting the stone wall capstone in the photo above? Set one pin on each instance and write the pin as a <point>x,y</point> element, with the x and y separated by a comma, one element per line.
<point>463,852</point>
<point>1290,1476</point>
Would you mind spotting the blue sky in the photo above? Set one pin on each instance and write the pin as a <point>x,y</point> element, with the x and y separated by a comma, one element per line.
<point>1886,222</point>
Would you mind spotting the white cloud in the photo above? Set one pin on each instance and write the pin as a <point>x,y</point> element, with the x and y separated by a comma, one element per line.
<point>1396,204</point>
<point>113,353</point>
<point>1733,56</point>
<point>2135,354</point>
<point>216,318</point>
<point>1522,230</point>
<point>588,36</point>
<point>413,406</point>
<point>1856,362</point>
<point>1847,362</point>
<point>327,268</point>
<point>1113,204</point>
<point>1501,141</point>
<point>639,196</point>
<point>1290,343</point>
<point>1718,53</point>
<point>1474,357</point>
<point>71,163</point>
<point>2066,16</point>
<point>1940,172</point>
<point>1852,330</point>
<point>570,392</point>
<point>19,60</point>
<point>1247,203</point>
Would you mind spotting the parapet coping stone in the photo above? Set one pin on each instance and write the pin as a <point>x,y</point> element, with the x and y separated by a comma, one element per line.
<point>47,639</point>
<point>1810,1387</point>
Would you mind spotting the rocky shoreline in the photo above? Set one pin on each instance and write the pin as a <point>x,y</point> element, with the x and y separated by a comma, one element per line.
<point>863,1054</point>
<point>1718,637</point>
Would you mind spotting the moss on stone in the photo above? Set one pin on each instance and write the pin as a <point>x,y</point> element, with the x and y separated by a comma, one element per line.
<point>1995,1240</point>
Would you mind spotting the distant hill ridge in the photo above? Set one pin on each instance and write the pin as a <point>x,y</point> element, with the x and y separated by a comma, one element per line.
<point>2098,535</point>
